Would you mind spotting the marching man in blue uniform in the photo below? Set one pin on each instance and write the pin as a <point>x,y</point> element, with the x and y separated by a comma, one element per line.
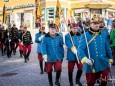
<point>53,53</point>
<point>71,51</point>
<point>95,54</point>
<point>38,39</point>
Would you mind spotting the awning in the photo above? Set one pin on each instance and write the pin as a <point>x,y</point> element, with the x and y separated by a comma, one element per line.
<point>112,7</point>
<point>98,6</point>
<point>92,5</point>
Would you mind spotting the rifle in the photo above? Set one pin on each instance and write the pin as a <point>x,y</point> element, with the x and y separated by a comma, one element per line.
<point>93,70</point>
<point>71,39</point>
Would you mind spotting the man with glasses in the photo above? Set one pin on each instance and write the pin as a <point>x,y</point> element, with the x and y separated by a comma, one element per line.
<point>99,58</point>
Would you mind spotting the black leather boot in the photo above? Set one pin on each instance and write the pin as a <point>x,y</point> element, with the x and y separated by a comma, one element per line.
<point>58,74</point>
<point>21,53</point>
<point>25,58</point>
<point>28,56</point>
<point>50,79</point>
<point>70,76</point>
<point>78,76</point>
<point>41,67</point>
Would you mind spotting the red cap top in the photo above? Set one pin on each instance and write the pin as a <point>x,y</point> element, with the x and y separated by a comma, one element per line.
<point>74,25</point>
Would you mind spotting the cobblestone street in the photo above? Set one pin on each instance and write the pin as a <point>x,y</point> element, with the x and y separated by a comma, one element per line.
<point>14,72</point>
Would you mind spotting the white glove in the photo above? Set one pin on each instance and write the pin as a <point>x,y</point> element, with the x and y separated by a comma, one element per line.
<point>21,43</point>
<point>45,58</point>
<point>19,40</point>
<point>41,37</point>
<point>75,51</point>
<point>89,62</point>
<point>9,40</point>
<point>8,33</point>
<point>110,64</point>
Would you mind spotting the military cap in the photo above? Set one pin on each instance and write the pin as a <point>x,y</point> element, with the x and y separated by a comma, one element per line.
<point>52,26</point>
<point>96,21</point>
<point>74,25</point>
<point>25,27</point>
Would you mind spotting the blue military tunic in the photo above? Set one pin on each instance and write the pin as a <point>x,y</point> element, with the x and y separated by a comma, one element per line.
<point>53,48</point>
<point>38,41</point>
<point>76,38</point>
<point>105,31</point>
<point>99,49</point>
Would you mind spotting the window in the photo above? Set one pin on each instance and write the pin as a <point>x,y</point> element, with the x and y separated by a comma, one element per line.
<point>8,19</point>
<point>50,13</point>
<point>96,11</point>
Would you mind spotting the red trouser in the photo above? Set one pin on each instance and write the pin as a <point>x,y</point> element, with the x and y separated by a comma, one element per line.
<point>40,57</point>
<point>57,66</point>
<point>20,46</point>
<point>92,77</point>
<point>15,45</point>
<point>71,65</point>
<point>26,49</point>
<point>0,45</point>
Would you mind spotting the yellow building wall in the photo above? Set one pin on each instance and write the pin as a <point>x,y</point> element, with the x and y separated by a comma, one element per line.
<point>73,5</point>
<point>112,7</point>
<point>15,2</point>
<point>82,4</point>
<point>79,5</point>
<point>53,4</point>
<point>112,0</point>
<point>49,3</point>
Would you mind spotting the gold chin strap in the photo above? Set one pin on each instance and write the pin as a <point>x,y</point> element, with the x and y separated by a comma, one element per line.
<point>94,32</point>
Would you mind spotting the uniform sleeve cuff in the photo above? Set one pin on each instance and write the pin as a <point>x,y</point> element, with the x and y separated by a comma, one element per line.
<point>111,60</point>
<point>83,59</point>
<point>73,48</point>
<point>44,56</point>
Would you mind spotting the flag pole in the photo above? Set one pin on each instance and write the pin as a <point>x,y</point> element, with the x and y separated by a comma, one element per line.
<point>70,38</point>
<point>39,14</point>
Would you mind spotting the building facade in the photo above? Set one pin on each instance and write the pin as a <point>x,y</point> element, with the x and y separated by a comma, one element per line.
<point>22,12</point>
<point>19,12</point>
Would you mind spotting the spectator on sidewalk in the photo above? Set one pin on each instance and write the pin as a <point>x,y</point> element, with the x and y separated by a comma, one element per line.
<point>112,38</point>
<point>109,22</point>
